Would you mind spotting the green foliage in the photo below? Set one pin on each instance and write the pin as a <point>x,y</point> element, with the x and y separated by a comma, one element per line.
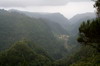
<point>90,61</point>
<point>44,47</point>
<point>20,54</point>
<point>97,6</point>
<point>82,53</point>
<point>89,33</point>
<point>15,27</point>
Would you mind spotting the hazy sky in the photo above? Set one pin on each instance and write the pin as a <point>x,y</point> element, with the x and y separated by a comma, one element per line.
<point>67,7</point>
<point>25,3</point>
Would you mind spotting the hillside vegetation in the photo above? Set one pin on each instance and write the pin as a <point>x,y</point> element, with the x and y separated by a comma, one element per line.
<point>28,39</point>
<point>15,27</point>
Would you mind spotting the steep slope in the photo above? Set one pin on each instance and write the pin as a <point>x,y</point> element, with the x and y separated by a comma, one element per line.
<point>83,17</point>
<point>54,17</point>
<point>15,27</point>
<point>92,61</point>
<point>78,19</point>
<point>75,22</point>
<point>20,54</point>
<point>84,56</point>
<point>56,28</point>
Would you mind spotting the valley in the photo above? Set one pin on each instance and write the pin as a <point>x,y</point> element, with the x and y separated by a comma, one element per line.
<point>46,39</point>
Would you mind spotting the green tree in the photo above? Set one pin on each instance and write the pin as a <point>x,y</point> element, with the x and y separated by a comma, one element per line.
<point>21,54</point>
<point>89,32</point>
<point>97,6</point>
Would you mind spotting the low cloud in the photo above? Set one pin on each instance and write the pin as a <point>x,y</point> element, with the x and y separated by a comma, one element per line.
<point>26,3</point>
<point>79,0</point>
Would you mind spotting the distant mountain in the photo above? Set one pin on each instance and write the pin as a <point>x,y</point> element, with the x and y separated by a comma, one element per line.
<point>82,17</point>
<point>54,17</point>
<point>75,22</point>
<point>78,19</point>
<point>15,26</point>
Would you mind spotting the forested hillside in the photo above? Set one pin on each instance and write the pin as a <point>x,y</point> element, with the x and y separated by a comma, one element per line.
<point>15,27</point>
<point>54,17</point>
<point>49,39</point>
<point>24,53</point>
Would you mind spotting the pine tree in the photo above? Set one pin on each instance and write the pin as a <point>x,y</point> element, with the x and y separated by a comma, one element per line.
<point>97,6</point>
<point>89,32</point>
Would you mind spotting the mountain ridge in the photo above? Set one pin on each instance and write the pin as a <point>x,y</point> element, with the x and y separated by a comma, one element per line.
<point>55,17</point>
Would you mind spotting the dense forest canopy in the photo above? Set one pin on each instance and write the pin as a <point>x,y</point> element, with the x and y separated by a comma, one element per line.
<point>90,31</point>
<point>15,27</point>
<point>29,41</point>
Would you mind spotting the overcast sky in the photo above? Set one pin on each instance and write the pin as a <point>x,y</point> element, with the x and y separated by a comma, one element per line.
<point>25,3</point>
<point>67,7</point>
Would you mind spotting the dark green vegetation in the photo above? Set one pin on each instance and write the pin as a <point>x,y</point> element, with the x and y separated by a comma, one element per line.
<point>89,37</point>
<point>81,55</point>
<point>24,53</point>
<point>15,27</point>
<point>54,17</point>
<point>90,33</point>
<point>97,6</point>
<point>89,53</point>
<point>29,41</point>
